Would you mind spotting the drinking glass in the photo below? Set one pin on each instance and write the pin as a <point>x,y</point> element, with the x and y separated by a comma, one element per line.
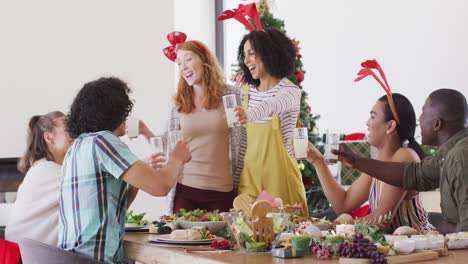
<point>173,138</point>
<point>300,140</point>
<point>332,139</point>
<point>230,102</point>
<point>132,127</point>
<point>157,144</point>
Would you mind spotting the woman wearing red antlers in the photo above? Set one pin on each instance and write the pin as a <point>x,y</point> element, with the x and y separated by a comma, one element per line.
<point>269,112</point>
<point>391,126</point>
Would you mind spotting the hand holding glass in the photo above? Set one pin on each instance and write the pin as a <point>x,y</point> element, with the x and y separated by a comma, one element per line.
<point>157,144</point>
<point>332,139</point>
<point>132,127</point>
<point>300,139</point>
<point>173,138</point>
<point>230,102</point>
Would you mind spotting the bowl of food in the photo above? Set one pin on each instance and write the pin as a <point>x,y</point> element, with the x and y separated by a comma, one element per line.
<point>303,221</point>
<point>135,221</point>
<point>213,221</point>
<point>246,231</point>
<point>404,246</point>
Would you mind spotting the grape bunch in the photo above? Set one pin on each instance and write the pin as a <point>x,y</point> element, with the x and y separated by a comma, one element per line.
<point>322,252</point>
<point>360,247</point>
<point>222,244</point>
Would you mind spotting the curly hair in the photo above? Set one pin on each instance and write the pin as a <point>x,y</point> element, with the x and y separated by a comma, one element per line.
<point>274,48</point>
<point>212,80</point>
<point>407,116</point>
<point>100,105</point>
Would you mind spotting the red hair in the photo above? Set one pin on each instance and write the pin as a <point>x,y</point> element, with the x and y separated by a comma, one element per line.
<point>212,80</point>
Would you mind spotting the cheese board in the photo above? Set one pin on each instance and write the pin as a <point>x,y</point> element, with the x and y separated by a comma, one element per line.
<point>413,257</point>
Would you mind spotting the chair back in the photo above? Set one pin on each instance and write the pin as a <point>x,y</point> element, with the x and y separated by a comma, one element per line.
<point>441,224</point>
<point>34,252</point>
<point>2,232</point>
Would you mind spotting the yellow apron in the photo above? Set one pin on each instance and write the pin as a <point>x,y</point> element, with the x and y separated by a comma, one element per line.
<point>267,164</point>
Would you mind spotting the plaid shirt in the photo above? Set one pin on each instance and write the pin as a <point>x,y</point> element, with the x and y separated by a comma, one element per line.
<point>93,199</point>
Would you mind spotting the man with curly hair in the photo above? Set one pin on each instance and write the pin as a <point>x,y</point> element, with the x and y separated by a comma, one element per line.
<point>99,169</point>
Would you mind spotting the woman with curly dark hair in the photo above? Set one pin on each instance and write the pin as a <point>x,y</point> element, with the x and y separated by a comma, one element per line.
<point>98,169</point>
<point>270,111</point>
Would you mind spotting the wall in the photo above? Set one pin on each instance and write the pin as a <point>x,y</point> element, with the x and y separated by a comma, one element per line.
<point>195,18</point>
<point>50,48</point>
<point>421,45</point>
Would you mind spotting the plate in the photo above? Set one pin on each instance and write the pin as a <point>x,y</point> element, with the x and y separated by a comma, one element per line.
<point>212,226</point>
<point>322,227</point>
<point>136,228</point>
<point>167,239</point>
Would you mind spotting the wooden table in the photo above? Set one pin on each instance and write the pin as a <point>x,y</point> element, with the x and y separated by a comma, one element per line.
<point>137,248</point>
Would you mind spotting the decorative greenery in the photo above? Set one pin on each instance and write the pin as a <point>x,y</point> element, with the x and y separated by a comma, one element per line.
<point>136,219</point>
<point>369,228</point>
<point>429,150</point>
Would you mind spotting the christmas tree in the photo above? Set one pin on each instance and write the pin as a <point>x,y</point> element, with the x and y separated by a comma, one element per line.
<point>315,196</point>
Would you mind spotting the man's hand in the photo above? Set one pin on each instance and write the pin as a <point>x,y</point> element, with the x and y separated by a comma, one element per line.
<point>346,155</point>
<point>156,161</point>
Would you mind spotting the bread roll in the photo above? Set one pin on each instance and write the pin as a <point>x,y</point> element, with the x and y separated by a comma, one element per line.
<point>193,234</point>
<point>344,219</point>
<point>187,234</point>
<point>457,240</point>
<point>179,235</point>
<point>345,230</point>
<point>405,230</point>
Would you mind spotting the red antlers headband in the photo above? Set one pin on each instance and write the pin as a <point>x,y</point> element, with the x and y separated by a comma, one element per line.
<point>366,70</point>
<point>176,38</point>
<point>239,14</point>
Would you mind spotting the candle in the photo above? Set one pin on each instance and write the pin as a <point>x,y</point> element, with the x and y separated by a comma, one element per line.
<point>302,242</point>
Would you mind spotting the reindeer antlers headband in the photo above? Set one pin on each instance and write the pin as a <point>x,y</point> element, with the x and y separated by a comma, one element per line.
<point>366,70</point>
<point>239,14</point>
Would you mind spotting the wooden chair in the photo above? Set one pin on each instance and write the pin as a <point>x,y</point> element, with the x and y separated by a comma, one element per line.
<point>34,252</point>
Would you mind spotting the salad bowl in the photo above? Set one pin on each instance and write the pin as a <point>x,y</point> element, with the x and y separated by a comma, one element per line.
<point>242,229</point>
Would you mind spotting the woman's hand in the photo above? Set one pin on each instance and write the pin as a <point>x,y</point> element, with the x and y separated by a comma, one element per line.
<point>144,130</point>
<point>181,152</point>
<point>313,154</point>
<point>156,161</point>
<point>241,115</point>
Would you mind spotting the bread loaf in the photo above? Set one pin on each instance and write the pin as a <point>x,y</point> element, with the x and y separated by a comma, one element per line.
<point>405,230</point>
<point>187,234</point>
<point>344,219</point>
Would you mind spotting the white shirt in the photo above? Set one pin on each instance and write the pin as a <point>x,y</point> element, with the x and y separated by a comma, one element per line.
<point>35,212</point>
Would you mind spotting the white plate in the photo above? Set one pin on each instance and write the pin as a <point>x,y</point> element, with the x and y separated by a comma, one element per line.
<point>136,228</point>
<point>322,227</point>
<point>212,226</point>
<point>167,239</point>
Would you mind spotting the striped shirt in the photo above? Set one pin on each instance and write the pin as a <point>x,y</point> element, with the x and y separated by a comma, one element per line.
<point>93,198</point>
<point>283,99</point>
<point>409,213</point>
